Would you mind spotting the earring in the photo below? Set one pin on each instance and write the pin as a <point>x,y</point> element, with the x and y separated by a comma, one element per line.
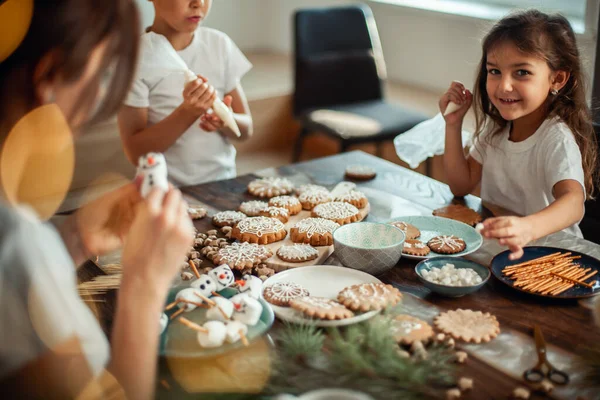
<point>554,92</point>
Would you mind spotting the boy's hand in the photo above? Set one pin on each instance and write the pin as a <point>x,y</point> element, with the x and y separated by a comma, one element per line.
<point>198,96</point>
<point>457,93</point>
<point>513,232</point>
<point>210,122</point>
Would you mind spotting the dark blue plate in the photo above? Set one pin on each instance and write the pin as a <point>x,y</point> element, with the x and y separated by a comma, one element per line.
<point>576,292</point>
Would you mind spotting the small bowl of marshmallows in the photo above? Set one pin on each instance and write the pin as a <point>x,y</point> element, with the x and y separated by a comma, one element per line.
<point>452,276</point>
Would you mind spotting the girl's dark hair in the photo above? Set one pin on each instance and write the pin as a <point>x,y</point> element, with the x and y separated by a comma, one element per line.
<point>551,38</point>
<point>71,30</point>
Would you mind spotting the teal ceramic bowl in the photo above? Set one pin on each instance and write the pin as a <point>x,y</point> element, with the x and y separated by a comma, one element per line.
<point>452,291</point>
<point>368,246</point>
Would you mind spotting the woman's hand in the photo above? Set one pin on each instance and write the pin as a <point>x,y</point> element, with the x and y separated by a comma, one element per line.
<point>513,232</point>
<point>458,94</point>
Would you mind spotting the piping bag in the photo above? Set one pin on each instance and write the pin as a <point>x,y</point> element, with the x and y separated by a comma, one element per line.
<point>450,108</point>
<point>164,57</point>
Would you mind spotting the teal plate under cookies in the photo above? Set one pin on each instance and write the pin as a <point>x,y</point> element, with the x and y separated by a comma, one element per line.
<point>431,226</point>
<point>178,340</point>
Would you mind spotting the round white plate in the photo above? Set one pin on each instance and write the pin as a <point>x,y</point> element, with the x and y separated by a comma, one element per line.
<point>431,226</point>
<point>321,281</point>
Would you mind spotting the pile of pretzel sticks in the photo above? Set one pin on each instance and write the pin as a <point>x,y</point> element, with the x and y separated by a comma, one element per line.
<point>550,275</point>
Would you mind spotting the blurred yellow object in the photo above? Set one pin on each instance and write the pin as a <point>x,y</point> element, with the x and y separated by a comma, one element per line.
<point>38,160</point>
<point>15,18</point>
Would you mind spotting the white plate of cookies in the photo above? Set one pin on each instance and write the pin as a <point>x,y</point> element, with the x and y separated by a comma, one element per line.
<point>327,295</point>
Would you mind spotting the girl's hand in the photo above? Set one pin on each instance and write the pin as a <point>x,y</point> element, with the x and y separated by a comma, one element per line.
<point>161,234</point>
<point>198,96</point>
<point>457,93</point>
<point>210,122</point>
<point>513,232</point>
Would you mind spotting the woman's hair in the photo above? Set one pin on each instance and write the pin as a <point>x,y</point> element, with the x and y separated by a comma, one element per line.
<point>551,38</point>
<point>70,30</point>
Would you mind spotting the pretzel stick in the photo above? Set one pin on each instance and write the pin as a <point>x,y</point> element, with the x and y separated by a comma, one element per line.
<point>217,294</point>
<point>537,260</point>
<point>570,285</point>
<point>205,299</point>
<point>201,305</point>
<point>177,313</point>
<point>173,304</point>
<point>194,269</point>
<point>243,338</point>
<point>223,313</point>
<point>192,325</point>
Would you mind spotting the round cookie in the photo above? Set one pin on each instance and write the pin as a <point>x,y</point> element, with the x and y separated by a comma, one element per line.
<point>291,203</point>
<point>415,247</point>
<point>242,255</point>
<point>468,325</point>
<point>340,212</point>
<point>227,218</point>
<point>270,187</point>
<point>410,231</point>
<point>354,197</point>
<point>311,187</point>
<point>281,293</point>
<point>369,296</point>
<point>360,172</point>
<point>446,244</point>
<point>314,231</point>
<point>321,307</point>
<point>297,253</point>
<point>311,198</point>
<point>460,213</point>
<point>261,230</point>
<point>196,212</point>
<point>407,329</point>
<point>280,213</point>
<point>253,208</point>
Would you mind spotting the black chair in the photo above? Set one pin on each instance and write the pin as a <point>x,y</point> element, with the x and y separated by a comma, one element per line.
<point>590,224</point>
<point>339,75</point>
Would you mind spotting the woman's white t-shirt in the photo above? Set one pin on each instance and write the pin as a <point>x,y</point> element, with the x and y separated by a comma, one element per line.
<point>519,176</point>
<point>197,156</point>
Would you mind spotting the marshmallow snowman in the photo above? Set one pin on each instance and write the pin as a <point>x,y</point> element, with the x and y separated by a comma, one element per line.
<point>205,285</point>
<point>246,309</point>
<point>223,276</point>
<point>221,311</point>
<point>188,295</point>
<point>215,337</point>
<point>153,168</point>
<point>164,321</point>
<point>250,284</point>
<point>235,330</point>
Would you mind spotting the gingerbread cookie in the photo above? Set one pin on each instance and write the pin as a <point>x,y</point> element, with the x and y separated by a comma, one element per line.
<point>280,213</point>
<point>407,329</point>
<point>447,244</point>
<point>227,218</point>
<point>242,255</point>
<point>270,187</point>
<point>321,307</point>
<point>468,325</point>
<point>314,231</point>
<point>297,253</point>
<point>281,293</point>
<point>360,172</point>
<point>253,208</point>
<point>369,296</point>
<point>340,212</point>
<point>415,247</point>
<point>196,212</point>
<point>291,203</point>
<point>310,187</point>
<point>354,197</point>
<point>410,231</point>
<point>261,230</point>
<point>309,199</point>
<point>460,213</point>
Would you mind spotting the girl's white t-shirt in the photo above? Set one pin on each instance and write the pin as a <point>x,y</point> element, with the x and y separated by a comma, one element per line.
<point>197,156</point>
<point>519,176</point>
<point>39,304</point>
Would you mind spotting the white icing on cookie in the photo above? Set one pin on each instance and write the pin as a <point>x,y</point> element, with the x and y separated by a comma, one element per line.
<point>403,226</point>
<point>405,327</point>
<point>407,245</point>
<point>230,217</point>
<point>284,201</point>
<point>319,226</point>
<point>297,252</point>
<point>315,197</point>
<point>335,210</point>
<point>375,291</point>
<point>260,226</point>
<point>321,302</point>
<point>269,187</point>
<point>275,212</point>
<point>311,187</point>
<point>448,241</point>
<point>353,195</point>
<point>241,253</point>
<point>252,208</point>
<point>360,170</point>
<point>286,291</point>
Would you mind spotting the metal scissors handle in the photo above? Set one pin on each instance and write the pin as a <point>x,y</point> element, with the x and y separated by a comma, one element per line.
<point>543,368</point>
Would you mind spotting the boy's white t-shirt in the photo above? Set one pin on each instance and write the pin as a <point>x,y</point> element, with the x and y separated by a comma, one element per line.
<point>197,156</point>
<point>519,176</point>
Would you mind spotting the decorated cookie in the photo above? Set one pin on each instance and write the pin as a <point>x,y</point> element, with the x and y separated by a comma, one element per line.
<point>321,307</point>
<point>468,325</point>
<point>360,172</point>
<point>270,187</point>
<point>447,244</point>
<point>261,230</point>
<point>196,212</point>
<point>310,198</point>
<point>340,212</point>
<point>242,255</point>
<point>407,329</point>
<point>415,247</point>
<point>410,231</point>
<point>314,231</point>
<point>280,213</point>
<point>369,296</point>
<point>281,293</point>
<point>354,197</point>
<point>228,218</point>
<point>291,203</point>
<point>297,253</point>
<point>253,208</point>
<point>310,187</point>
<point>460,213</point>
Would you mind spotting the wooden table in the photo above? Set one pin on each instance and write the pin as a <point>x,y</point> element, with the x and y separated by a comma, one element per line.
<point>396,192</point>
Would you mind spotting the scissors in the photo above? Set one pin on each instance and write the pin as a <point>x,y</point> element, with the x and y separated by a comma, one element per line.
<point>544,369</point>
